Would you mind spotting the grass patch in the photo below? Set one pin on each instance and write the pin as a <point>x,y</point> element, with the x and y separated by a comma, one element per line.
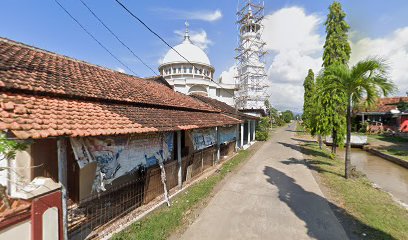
<point>402,154</point>
<point>300,130</point>
<point>373,211</point>
<point>391,139</point>
<point>161,223</point>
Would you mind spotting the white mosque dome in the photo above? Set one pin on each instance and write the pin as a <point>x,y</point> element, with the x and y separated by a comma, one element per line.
<point>191,52</point>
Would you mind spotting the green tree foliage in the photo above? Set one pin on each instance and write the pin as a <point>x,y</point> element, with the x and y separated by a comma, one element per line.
<point>329,112</point>
<point>287,116</point>
<point>8,150</point>
<point>273,114</point>
<point>367,80</point>
<point>308,103</point>
<point>336,51</point>
<point>403,106</point>
<point>262,129</point>
<point>336,48</point>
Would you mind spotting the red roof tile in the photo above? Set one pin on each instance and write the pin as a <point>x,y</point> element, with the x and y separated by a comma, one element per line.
<point>385,105</point>
<point>42,117</point>
<point>45,95</point>
<point>223,107</point>
<point>17,208</point>
<point>29,69</point>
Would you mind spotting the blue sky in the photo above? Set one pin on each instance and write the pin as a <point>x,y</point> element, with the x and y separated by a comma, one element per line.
<point>43,24</point>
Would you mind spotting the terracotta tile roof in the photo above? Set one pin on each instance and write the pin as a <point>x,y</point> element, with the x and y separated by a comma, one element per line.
<point>44,95</point>
<point>223,107</point>
<point>385,105</point>
<point>29,69</point>
<point>18,208</point>
<point>41,117</point>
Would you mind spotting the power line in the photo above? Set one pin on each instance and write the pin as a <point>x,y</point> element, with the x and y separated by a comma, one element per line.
<point>164,41</point>
<point>117,38</point>
<point>94,38</point>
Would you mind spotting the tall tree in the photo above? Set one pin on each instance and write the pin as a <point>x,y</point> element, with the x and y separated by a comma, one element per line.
<point>287,116</point>
<point>309,87</point>
<point>367,80</point>
<point>336,48</point>
<point>336,51</point>
<point>329,113</point>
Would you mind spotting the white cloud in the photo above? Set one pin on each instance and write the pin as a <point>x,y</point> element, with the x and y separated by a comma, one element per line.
<point>295,46</point>
<point>203,15</point>
<point>199,38</point>
<point>228,75</point>
<point>119,69</point>
<point>393,49</point>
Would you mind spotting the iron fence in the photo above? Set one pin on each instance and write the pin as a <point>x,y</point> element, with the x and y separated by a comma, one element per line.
<point>98,213</point>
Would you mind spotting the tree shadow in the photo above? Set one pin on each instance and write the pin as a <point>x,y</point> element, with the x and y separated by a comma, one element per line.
<point>309,152</point>
<point>311,208</point>
<point>304,140</point>
<point>311,164</point>
<point>295,131</point>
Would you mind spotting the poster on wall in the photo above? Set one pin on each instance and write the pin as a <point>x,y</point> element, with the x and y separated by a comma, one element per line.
<point>203,138</point>
<point>119,156</point>
<point>228,134</point>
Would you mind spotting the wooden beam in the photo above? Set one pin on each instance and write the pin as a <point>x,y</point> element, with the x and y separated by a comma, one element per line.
<point>62,178</point>
<point>242,135</point>
<point>217,130</point>
<point>180,172</point>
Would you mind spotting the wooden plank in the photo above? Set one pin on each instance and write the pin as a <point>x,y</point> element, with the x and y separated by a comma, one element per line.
<point>62,178</point>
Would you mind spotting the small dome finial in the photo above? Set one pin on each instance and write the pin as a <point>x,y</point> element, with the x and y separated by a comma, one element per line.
<point>186,34</point>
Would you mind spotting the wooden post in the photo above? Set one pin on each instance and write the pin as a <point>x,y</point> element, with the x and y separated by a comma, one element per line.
<point>236,137</point>
<point>249,132</point>
<point>242,135</point>
<point>62,178</point>
<point>253,130</point>
<point>180,172</point>
<point>202,160</point>
<point>217,130</point>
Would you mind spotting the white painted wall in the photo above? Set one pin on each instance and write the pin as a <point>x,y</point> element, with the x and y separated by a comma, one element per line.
<point>3,174</point>
<point>18,231</point>
<point>50,224</point>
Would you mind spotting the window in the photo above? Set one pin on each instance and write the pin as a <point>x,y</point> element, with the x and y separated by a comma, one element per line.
<point>179,70</point>
<point>174,70</point>
<point>190,70</point>
<point>185,70</point>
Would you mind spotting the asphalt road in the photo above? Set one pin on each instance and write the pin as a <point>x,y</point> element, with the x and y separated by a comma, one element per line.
<point>273,196</point>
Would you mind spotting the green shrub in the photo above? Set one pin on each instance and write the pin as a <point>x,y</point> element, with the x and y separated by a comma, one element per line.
<point>262,129</point>
<point>261,136</point>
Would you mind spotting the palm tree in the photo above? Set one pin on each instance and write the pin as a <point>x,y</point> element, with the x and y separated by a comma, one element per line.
<point>367,80</point>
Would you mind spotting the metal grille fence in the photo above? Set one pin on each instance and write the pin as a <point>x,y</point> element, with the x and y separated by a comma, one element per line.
<point>98,212</point>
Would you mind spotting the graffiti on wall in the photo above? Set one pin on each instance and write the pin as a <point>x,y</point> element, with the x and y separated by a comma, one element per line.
<point>203,138</point>
<point>228,134</point>
<point>119,156</point>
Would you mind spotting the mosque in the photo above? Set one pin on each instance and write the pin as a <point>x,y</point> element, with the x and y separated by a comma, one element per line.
<point>194,73</point>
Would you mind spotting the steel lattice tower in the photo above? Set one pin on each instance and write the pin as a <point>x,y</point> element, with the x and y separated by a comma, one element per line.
<point>251,74</point>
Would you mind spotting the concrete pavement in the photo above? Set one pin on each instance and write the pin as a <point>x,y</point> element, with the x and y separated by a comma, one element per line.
<point>273,196</point>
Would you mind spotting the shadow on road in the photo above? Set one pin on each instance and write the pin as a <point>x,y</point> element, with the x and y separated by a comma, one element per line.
<point>311,164</point>
<point>308,207</point>
<point>304,140</point>
<point>303,150</point>
<point>295,131</point>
